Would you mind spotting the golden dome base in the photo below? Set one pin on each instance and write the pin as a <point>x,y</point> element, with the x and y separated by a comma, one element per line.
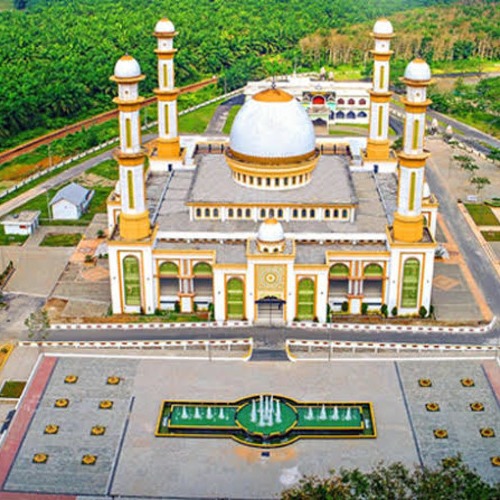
<point>408,229</point>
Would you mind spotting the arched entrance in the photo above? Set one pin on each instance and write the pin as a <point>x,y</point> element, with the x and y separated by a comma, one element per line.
<point>270,310</point>
<point>235,299</point>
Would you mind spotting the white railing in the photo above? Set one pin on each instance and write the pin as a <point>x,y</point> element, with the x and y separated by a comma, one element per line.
<point>148,326</point>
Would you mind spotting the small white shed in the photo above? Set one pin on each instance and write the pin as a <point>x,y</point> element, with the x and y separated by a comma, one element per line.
<point>70,202</point>
<point>24,223</point>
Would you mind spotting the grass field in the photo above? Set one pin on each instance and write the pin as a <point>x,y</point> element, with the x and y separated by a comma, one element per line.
<point>482,215</point>
<point>196,122</point>
<point>491,235</point>
<point>230,118</point>
<point>11,239</point>
<point>107,169</point>
<point>5,4</point>
<point>61,240</point>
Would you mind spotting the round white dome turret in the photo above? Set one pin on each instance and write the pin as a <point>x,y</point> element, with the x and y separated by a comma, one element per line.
<point>272,124</point>
<point>271,231</point>
<point>165,26</point>
<point>418,70</point>
<point>383,27</point>
<point>127,67</point>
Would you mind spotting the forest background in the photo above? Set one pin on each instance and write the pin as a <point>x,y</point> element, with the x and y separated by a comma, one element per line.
<point>57,55</point>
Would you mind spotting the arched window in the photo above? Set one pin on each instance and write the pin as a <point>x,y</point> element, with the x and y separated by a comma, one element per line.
<point>303,213</point>
<point>235,299</point>
<point>345,214</point>
<point>340,101</point>
<point>327,213</point>
<point>340,115</point>
<point>336,213</point>
<point>362,114</point>
<point>239,213</point>
<point>202,269</point>
<point>351,115</point>
<point>131,281</point>
<point>351,102</point>
<point>295,213</point>
<point>268,181</point>
<point>318,100</point>
<point>277,181</point>
<point>271,212</point>
<point>198,212</point>
<point>312,213</point>
<point>373,271</point>
<point>411,278</point>
<point>169,269</point>
<point>280,213</point>
<point>248,213</point>
<point>230,213</point>
<point>207,212</point>
<point>262,213</point>
<point>362,102</point>
<point>305,299</point>
<point>216,212</point>
<point>339,271</point>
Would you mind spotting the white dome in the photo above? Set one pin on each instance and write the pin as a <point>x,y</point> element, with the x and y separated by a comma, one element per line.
<point>271,231</point>
<point>383,27</point>
<point>272,124</point>
<point>164,26</point>
<point>127,67</point>
<point>418,70</point>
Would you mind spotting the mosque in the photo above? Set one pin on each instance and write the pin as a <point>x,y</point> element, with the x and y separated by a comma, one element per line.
<point>270,225</point>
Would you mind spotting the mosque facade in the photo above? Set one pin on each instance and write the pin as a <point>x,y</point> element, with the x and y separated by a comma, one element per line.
<point>271,226</point>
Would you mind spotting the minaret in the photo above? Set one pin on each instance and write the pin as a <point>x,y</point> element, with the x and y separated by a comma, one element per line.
<point>168,133</point>
<point>134,216</point>
<point>408,220</point>
<point>378,141</point>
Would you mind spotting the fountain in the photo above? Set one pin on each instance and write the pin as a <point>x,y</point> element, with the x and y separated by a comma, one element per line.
<point>322,413</point>
<point>335,414</point>
<point>348,414</point>
<point>253,415</point>
<point>221,414</point>
<point>278,412</point>
<point>209,413</point>
<point>197,415</point>
<point>310,414</point>
<point>184,415</point>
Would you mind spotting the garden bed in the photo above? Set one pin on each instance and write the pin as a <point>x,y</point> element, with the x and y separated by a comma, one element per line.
<point>12,389</point>
<point>482,215</point>
<point>61,240</point>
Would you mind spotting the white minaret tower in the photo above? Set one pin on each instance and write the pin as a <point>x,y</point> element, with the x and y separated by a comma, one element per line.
<point>134,216</point>
<point>168,144</point>
<point>377,148</point>
<point>408,220</point>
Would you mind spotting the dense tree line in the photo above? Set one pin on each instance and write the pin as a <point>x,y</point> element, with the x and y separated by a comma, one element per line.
<point>57,55</point>
<point>465,30</point>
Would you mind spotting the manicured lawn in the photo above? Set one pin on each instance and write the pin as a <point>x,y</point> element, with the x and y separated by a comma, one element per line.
<point>12,389</point>
<point>107,169</point>
<point>491,235</point>
<point>61,240</point>
<point>11,239</point>
<point>230,118</point>
<point>97,205</point>
<point>482,215</point>
<point>196,122</point>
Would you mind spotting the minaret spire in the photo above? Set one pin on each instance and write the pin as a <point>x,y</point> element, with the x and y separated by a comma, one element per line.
<point>168,134</point>
<point>134,215</point>
<point>378,142</point>
<point>408,220</point>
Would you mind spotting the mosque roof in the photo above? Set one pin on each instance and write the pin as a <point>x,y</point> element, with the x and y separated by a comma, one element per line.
<point>272,124</point>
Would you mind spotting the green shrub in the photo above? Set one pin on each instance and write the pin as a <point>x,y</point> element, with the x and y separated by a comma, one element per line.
<point>394,311</point>
<point>345,306</point>
<point>364,308</point>
<point>422,312</point>
<point>384,310</point>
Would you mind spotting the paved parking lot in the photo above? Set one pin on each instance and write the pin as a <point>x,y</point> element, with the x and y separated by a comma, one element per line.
<point>132,461</point>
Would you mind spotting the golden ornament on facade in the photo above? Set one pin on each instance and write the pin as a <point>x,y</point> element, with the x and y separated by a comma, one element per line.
<point>51,429</point>
<point>61,403</point>
<point>89,459</point>
<point>106,404</point>
<point>70,379</point>
<point>40,458</point>
<point>113,380</point>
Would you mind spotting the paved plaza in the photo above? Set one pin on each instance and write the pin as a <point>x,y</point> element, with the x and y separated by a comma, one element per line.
<point>131,461</point>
